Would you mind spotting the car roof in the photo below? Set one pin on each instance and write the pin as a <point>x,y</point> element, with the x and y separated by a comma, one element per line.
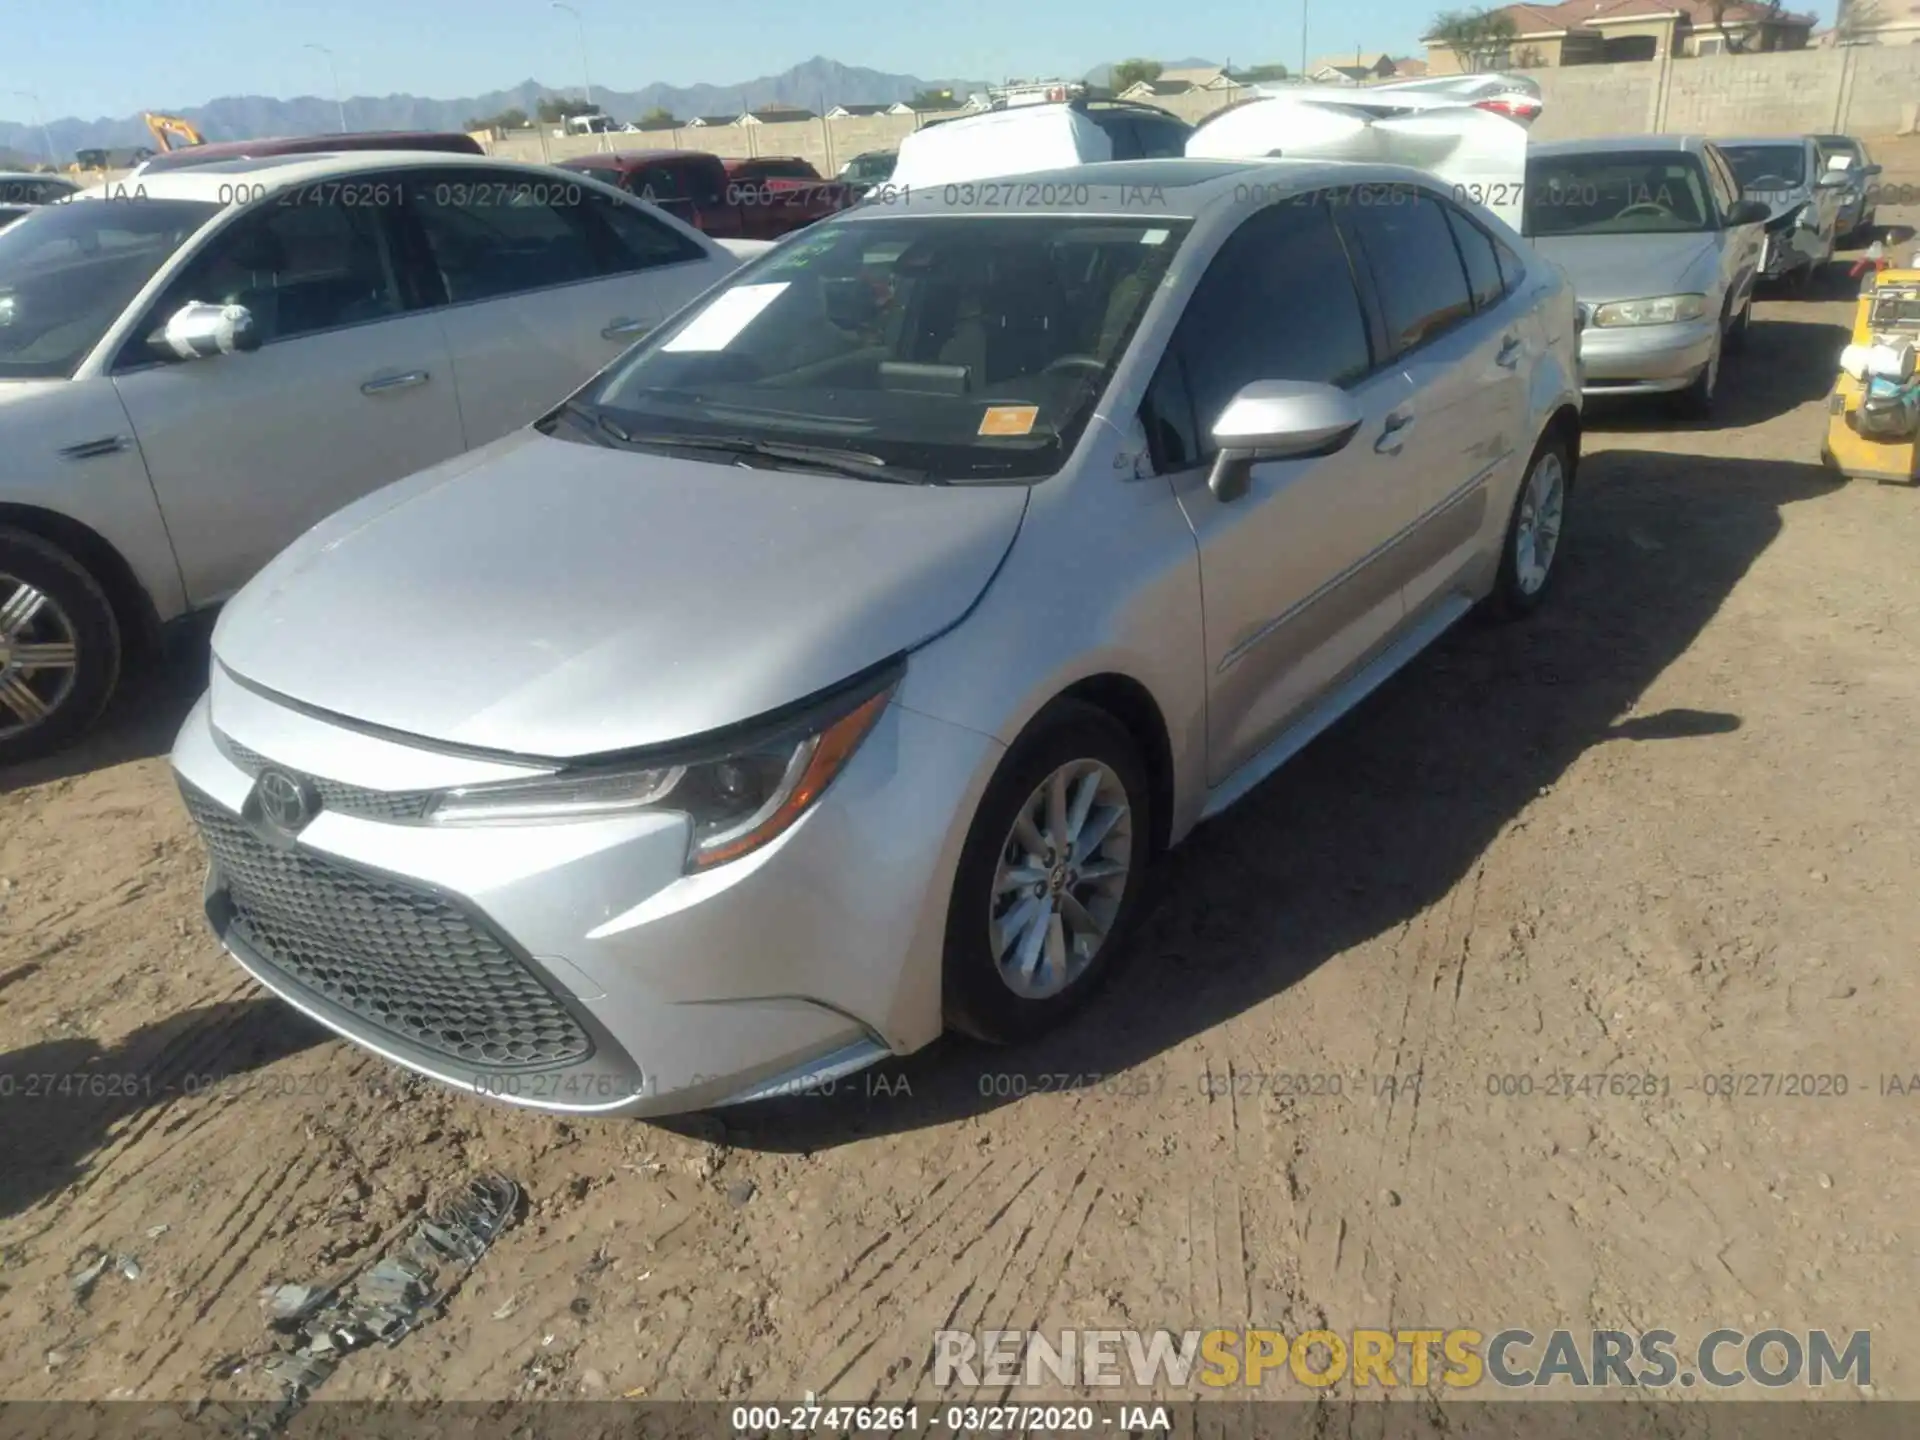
<point>1175,189</point>
<point>1725,140</point>
<point>215,181</point>
<point>35,175</point>
<point>615,159</point>
<point>1616,144</point>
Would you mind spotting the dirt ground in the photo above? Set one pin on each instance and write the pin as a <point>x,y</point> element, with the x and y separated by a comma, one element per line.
<point>1668,828</point>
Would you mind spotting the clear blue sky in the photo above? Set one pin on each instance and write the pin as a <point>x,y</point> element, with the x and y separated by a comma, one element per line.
<point>99,58</point>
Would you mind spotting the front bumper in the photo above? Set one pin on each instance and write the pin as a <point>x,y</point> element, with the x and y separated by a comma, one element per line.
<point>1644,359</point>
<point>573,967</point>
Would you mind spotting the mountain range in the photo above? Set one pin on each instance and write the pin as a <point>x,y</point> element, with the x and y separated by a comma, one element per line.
<point>815,84</point>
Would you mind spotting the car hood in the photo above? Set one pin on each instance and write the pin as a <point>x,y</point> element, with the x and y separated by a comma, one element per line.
<point>555,599</point>
<point>1630,267</point>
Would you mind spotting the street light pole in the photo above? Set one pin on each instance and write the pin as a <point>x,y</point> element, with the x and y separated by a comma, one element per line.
<point>333,70</point>
<point>586,72</point>
<point>40,120</point>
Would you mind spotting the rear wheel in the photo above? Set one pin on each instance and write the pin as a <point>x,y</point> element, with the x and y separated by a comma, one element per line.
<point>1049,877</point>
<point>1528,558</point>
<point>59,647</point>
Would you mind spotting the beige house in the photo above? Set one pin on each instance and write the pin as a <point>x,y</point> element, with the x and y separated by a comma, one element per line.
<point>1360,67</point>
<point>1593,32</point>
<point>1875,22</point>
<point>1211,77</point>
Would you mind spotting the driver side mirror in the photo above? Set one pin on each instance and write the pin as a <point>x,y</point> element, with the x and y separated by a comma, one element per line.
<point>1748,212</point>
<point>1278,420</point>
<point>199,331</point>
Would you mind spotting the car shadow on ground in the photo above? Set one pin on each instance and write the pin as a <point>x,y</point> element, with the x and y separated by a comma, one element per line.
<point>141,720</point>
<point>63,1098</point>
<point>1384,814</point>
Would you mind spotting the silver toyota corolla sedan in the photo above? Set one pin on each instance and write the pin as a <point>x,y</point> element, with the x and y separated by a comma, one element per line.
<point>1663,253</point>
<point>828,672</point>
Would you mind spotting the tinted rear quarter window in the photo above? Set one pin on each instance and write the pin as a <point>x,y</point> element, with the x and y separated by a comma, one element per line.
<point>1482,261</point>
<point>1410,255</point>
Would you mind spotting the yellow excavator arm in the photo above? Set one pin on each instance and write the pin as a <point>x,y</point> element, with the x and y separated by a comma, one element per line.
<point>169,129</point>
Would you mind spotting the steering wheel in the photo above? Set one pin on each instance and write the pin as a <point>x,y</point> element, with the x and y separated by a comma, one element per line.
<point>1645,207</point>
<point>1073,362</point>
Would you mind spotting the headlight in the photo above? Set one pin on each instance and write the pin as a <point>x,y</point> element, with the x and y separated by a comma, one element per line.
<point>1661,310</point>
<point>735,800</point>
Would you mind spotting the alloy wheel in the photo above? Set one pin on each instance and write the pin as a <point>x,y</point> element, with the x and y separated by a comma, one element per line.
<point>1537,535</point>
<point>39,657</point>
<point>1060,880</point>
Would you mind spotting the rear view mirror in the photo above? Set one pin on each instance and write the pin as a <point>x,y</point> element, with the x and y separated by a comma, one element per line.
<point>199,331</point>
<point>1278,420</point>
<point>1748,212</point>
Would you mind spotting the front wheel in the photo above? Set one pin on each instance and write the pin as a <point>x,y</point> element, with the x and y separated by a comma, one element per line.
<point>1696,401</point>
<point>1049,877</point>
<point>59,647</point>
<point>1527,559</point>
<point>1741,330</point>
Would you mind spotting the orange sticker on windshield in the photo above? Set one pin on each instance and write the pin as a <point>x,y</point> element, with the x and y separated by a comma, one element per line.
<point>1009,419</point>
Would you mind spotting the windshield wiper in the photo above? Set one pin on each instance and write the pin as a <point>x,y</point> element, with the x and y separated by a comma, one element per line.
<point>815,457</point>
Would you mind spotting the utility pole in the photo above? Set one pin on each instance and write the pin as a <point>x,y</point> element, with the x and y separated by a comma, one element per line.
<point>39,118</point>
<point>338,104</point>
<point>586,72</point>
<point>1303,37</point>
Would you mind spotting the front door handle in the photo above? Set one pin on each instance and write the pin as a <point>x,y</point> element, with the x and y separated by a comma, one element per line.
<point>1393,435</point>
<point>1509,355</point>
<point>385,383</point>
<point>622,328</point>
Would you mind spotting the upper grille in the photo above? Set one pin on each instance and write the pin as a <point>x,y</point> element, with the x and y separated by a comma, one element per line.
<point>397,806</point>
<point>401,959</point>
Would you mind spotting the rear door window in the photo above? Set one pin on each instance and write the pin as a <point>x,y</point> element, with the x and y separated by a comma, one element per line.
<point>1402,235</point>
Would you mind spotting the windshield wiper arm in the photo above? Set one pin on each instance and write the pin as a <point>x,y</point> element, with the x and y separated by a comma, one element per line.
<point>819,457</point>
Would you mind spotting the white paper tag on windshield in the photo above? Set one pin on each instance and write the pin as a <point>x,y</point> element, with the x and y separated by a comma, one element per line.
<point>715,327</point>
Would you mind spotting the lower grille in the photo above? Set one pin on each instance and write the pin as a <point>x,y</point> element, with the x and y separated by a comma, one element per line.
<point>400,959</point>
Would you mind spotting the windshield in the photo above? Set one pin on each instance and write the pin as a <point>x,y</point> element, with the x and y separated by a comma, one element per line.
<point>1767,167</point>
<point>67,271</point>
<point>1655,193</point>
<point>870,167</point>
<point>958,347</point>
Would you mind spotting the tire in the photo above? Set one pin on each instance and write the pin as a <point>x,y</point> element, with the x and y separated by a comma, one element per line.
<point>47,599</point>
<point>1697,400</point>
<point>1741,330</point>
<point>979,1000</point>
<point>1519,590</point>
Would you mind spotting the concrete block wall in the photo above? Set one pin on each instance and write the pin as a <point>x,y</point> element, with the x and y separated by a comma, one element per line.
<point>1584,100</point>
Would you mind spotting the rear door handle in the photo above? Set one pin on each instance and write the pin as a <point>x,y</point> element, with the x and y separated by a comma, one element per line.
<point>385,383</point>
<point>620,329</point>
<point>1509,355</point>
<point>1393,435</point>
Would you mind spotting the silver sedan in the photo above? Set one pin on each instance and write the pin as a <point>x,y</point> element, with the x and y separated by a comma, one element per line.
<point>830,670</point>
<point>1663,252</point>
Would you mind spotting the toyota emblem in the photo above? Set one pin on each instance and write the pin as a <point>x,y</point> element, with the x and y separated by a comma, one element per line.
<point>286,802</point>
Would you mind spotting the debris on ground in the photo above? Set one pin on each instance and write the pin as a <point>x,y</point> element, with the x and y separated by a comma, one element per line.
<point>386,1301</point>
